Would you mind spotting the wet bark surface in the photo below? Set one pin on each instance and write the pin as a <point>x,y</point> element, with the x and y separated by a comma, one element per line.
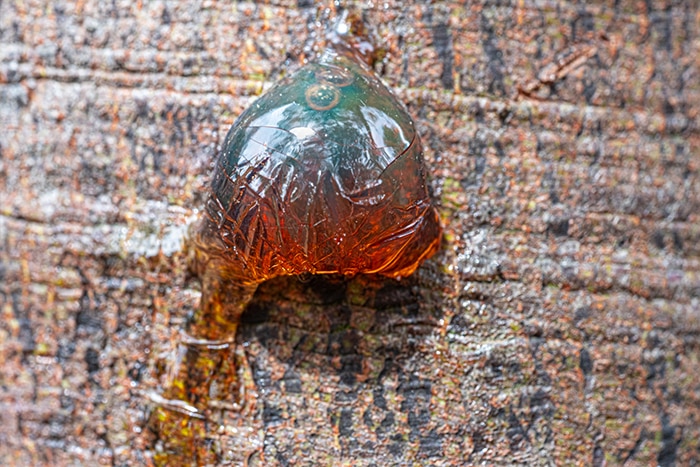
<point>558,324</point>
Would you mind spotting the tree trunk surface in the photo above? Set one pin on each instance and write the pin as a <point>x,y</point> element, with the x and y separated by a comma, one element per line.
<point>558,324</point>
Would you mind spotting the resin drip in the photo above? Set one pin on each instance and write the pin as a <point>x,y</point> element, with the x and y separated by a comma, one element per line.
<point>323,174</point>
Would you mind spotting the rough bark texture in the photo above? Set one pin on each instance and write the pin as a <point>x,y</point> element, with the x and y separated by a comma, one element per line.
<point>559,323</point>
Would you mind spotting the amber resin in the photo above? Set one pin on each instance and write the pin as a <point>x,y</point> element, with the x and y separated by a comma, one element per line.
<point>323,174</point>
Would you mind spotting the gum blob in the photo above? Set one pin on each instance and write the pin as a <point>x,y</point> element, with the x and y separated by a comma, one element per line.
<point>323,174</point>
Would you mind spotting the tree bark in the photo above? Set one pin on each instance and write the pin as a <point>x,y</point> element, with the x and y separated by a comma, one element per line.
<point>559,323</point>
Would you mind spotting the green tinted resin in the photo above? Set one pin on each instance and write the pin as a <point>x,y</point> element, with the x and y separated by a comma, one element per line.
<point>323,174</point>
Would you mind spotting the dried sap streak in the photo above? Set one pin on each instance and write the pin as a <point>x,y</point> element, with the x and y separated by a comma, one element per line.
<point>324,175</point>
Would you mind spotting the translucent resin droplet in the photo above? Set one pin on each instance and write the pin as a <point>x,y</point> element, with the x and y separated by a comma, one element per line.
<point>323,174</point>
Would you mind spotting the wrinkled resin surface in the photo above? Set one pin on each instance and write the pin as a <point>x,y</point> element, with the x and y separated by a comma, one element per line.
<point>322,174</point>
